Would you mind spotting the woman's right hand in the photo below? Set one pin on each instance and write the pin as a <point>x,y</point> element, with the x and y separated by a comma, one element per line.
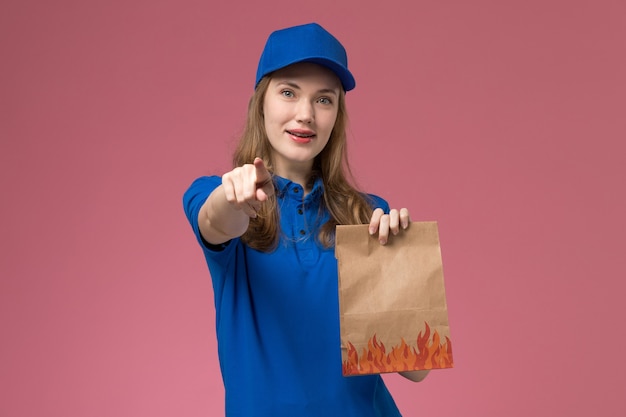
<point>248,186</point>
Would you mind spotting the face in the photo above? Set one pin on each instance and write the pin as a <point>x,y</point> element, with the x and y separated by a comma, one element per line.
<point>300,109</point>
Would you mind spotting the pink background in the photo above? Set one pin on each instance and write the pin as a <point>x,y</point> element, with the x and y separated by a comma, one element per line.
<point>503,120</point>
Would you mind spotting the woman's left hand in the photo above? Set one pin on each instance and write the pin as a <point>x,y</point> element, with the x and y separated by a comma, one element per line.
<point>383,223</point>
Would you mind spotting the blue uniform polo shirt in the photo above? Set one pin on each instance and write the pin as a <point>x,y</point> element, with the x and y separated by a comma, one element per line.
<point>277,317</point>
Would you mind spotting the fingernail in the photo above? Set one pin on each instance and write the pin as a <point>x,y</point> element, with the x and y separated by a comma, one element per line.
<point>383,241</point>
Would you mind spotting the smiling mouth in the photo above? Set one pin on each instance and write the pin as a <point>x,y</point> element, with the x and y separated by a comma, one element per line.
<point>301,135</point>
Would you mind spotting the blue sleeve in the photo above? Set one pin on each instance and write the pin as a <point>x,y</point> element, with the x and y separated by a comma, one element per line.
<point>194,198</point>
<point>378,202</point>
<point>220,258</point>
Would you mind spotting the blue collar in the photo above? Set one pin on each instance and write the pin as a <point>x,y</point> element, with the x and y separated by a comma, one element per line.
<point>288,188</point>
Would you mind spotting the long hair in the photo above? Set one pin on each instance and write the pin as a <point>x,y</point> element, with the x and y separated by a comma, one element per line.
<point>343,201</point>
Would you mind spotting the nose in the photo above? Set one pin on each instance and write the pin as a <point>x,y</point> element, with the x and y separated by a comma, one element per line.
<point>305,113</point>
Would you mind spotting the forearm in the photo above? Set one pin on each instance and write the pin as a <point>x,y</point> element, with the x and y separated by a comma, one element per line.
<point>220,221</point>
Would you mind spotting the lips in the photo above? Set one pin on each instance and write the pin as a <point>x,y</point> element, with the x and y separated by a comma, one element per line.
<point>305,134</point>
<point>301,136</point>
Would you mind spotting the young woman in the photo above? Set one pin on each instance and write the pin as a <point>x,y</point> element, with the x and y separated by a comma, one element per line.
<point>267,232</point>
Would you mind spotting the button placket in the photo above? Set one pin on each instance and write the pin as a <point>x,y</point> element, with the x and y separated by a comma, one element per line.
<point>299,220</point>
<point>302,219</point>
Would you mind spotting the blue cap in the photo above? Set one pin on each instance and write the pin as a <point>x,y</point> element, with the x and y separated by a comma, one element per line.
<point>305,43</point>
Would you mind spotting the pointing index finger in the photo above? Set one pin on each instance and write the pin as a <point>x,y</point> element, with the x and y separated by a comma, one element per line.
<point>264,185</point>
<point>262,174</point>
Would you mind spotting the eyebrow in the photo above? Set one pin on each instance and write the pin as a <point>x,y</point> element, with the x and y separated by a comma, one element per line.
<point>297,87</point>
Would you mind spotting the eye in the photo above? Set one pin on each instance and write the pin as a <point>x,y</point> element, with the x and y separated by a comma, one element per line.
<point>325,100</point>
<point>287,93</point>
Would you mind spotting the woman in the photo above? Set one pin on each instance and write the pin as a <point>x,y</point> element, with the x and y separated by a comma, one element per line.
<point>267,233</point>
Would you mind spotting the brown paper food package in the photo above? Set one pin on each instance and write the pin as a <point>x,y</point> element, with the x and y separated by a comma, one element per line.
<point>392,301</point>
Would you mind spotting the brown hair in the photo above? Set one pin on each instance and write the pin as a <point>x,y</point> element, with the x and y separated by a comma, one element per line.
<point>344,202</point>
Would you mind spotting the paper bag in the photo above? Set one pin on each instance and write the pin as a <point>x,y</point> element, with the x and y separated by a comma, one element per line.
<point>393,311</point>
